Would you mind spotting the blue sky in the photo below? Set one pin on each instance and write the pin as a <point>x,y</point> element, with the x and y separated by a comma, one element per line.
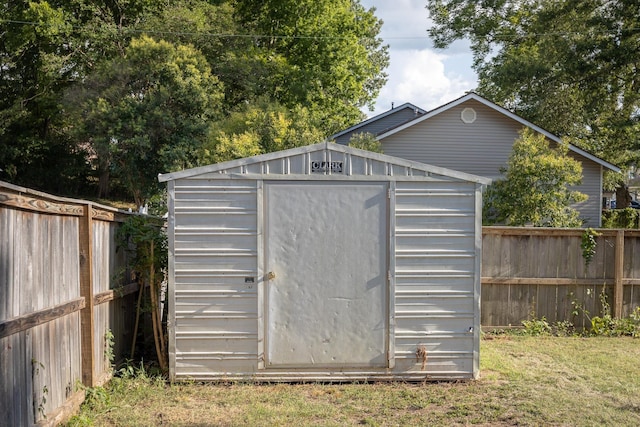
<point>417,72</point>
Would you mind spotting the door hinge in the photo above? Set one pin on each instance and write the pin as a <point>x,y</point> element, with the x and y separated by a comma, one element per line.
<point>389,275</point>
<point>389,192</point>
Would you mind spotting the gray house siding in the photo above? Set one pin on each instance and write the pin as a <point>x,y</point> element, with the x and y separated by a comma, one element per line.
<point>479,148</point>
<point>591,209</point>
<point>445,140</point>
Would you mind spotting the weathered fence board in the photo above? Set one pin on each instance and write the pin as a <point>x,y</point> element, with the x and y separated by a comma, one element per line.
<point>540,272</point>
<point>54,253</point>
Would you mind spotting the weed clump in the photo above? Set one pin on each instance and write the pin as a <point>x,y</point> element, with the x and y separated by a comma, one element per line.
<point>604,325</point>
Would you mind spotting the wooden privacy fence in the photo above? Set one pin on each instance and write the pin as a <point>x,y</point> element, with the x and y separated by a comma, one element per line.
<point>540,272</point>
<point>59,294</point>
<point>58,265</point>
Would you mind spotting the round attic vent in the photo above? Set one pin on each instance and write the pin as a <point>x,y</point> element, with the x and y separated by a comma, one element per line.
<point>468,115</point>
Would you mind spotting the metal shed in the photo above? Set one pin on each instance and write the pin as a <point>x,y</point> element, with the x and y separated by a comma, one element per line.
<point>326,263</point>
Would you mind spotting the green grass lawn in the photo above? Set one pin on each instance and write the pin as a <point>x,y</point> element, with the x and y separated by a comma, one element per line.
<point>538,381</point>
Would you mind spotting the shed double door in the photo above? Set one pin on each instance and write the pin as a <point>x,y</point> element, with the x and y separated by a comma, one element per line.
<point>326,259</point>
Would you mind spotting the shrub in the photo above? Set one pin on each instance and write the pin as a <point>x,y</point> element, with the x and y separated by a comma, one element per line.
<point>621,218</point>
<point>537,327</point>
<point>613,327</point>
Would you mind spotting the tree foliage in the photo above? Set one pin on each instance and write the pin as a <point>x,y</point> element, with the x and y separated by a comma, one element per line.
<point>33,68</point>
<point>326,52</point>
<point>365,141</point>
<point>46,48</point>
<point>145,112</point>
<point>536,186</point>
<point>145,243</point>
<point>569,66</point>
<point>294,71</point>
<point>261,128</point>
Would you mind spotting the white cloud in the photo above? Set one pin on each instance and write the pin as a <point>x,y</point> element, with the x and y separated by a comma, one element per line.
<point>418,73</point>
<point>420,77</point>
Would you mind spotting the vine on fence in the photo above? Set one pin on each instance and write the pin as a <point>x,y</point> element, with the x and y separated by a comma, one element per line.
<point>589,244</point>
<point>109,355</point>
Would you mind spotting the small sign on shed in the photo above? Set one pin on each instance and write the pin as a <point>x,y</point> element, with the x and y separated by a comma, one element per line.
<point>324,262</point>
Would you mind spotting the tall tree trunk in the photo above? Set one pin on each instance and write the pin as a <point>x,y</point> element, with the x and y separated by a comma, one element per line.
<point>104,163</point>
<point>103,183</point>
<point>158,333</point>
<point>623,198</point>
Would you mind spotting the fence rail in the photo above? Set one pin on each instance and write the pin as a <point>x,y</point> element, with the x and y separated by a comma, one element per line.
<point>540,272</point>
<point>58,268</point>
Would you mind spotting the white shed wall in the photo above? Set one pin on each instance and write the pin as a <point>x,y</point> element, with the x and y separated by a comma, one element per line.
<point>214,315</point>
<point>218,254</point>
<point>435,276</point>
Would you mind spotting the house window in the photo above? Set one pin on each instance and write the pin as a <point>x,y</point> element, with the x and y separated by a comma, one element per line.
<point>468,115</point>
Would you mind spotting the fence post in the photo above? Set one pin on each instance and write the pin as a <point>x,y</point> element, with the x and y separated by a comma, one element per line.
<point>618,289</point>
<point>86,290</point>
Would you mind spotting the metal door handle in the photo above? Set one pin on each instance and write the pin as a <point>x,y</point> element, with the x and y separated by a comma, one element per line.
<point>271,275</point>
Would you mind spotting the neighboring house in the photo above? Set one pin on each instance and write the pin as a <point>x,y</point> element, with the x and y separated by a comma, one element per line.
<point>476,136</point>
<point>380,123</point>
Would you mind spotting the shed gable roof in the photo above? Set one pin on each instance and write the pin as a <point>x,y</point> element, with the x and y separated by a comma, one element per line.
<point>505,112</point>
<point>302,161</point>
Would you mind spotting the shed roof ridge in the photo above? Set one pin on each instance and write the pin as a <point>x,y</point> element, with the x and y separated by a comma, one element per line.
<point>322,146</point>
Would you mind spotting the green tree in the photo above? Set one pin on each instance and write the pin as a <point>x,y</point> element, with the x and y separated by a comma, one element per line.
<point>315,62</point>
<point>30,62</point>
<point>45,48</point>
<point>216,32</point>
<point>569,66</point>
<point>261,128</point>
<point>536,186</point>
<point>147,112</point>
<point>322,54</point>
<point>365,141</point>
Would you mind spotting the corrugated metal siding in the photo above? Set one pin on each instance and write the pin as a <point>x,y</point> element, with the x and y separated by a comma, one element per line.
<point>381,124</point>
<point>215,249</point>
<point>434,276</point>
